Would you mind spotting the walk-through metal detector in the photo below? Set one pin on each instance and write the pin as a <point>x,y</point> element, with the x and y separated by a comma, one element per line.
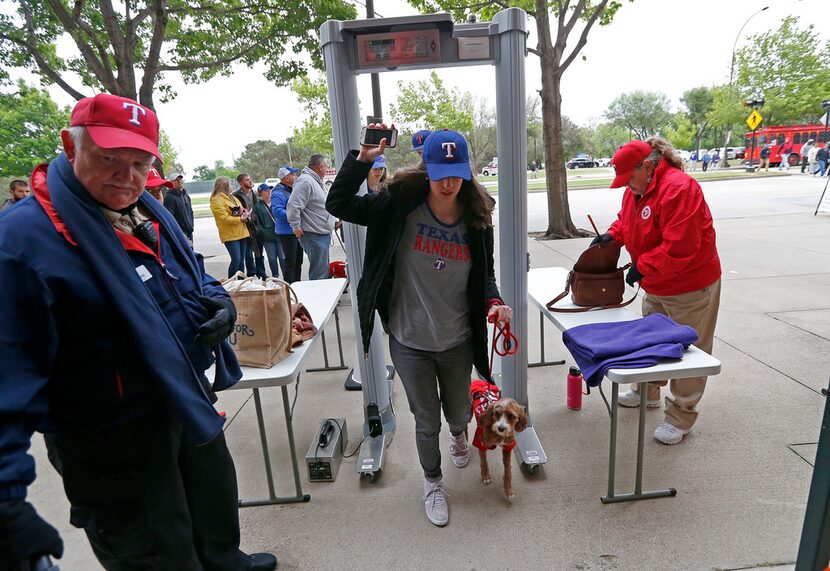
<point>431,41</point>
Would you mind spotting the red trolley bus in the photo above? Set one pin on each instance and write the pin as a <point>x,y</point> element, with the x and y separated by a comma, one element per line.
<point>776,135</point>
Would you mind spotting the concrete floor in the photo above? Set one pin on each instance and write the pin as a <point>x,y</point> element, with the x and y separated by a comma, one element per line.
<point>742,476</point>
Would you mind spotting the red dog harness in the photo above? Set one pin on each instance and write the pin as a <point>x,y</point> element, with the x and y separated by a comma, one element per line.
<point>484,394</point>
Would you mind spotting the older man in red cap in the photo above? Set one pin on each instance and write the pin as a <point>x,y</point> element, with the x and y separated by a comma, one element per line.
<point>109,324</point>
<point>666,226</point>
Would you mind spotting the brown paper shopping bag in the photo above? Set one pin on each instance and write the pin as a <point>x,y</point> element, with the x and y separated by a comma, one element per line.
<point>262,335</point>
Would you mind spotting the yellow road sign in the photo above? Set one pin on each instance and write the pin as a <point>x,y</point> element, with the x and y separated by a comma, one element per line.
<point>754,120</point>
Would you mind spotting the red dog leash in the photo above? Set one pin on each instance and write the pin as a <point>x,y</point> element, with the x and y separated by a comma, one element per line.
<point>504,337</point>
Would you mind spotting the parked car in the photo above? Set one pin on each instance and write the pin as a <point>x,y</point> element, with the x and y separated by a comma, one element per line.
<point>732,153</point>
<point>684,155</point>
<point>490,169</point>
<point>604,162</point>
<point>581,161</point>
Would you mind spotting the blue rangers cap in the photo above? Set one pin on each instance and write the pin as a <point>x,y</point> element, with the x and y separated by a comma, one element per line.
<point>419,138</point>
<point>445,154</point>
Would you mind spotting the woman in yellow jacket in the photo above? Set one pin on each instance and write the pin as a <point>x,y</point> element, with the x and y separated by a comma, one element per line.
<point>230,218</point>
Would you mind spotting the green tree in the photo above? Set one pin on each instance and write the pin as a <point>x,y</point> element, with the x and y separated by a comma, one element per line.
<point>315,132</point>
<point>262,159</point>
<point>790,67</point>
<point>681,132</point>
<point>607,138</point>
<point>128,48</point>
<point>556,53</point>
<point>169,154</point>
<point>204,172</point>
<point>575,139</point>
<point>428,104</point>
<point>698,101</point>
<point>645,113</point>
<point>30,130</point>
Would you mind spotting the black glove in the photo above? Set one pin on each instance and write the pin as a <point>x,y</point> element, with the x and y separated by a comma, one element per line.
<point>222,313</point>
<point>602,239</point>
<point>633,275</point>
<point>25,536</point>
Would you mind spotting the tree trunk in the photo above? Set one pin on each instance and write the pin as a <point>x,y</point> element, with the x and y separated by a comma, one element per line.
<point>560,224</point>
<point>556,178</point>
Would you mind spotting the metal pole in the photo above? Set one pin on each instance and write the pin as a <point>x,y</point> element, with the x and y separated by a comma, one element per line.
<point>376,106</point>
<point>731,75</point>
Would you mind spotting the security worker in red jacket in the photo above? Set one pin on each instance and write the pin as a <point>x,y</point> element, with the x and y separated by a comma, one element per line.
<point>109,323</point>
<point>666,226</point>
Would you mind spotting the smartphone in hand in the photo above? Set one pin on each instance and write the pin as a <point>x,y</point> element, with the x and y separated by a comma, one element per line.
<point>371,136</point>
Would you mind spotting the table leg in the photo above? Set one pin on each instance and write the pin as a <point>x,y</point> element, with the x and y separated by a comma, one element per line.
<point>612,447</point>
<point>326,366</point>
<point>638,493</point>
<point>541,362</point>
<point>272,495</point>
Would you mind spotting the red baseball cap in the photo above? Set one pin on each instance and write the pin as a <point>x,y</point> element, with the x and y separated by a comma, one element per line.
<point>626,160</point>
<point>116,122</point>
<point>155,179</point>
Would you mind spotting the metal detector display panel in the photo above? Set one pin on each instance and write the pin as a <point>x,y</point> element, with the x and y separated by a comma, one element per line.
<point>396,49</point>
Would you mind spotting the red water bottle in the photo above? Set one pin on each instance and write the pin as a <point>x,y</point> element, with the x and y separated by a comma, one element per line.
<point>574,388</point>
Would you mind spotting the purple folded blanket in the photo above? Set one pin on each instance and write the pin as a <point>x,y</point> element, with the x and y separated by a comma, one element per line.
<point>598,347</point>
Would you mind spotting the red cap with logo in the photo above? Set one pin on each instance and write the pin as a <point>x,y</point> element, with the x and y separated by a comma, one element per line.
<point>626,160</point>
<point>116,122</point>
<point>154,179</point>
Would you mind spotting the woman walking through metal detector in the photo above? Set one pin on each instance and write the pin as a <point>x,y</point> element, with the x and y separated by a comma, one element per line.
<point>429,274</point>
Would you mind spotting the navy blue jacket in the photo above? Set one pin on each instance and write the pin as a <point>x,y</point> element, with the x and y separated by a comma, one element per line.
<point>95,330</point>
<point>179,204</point>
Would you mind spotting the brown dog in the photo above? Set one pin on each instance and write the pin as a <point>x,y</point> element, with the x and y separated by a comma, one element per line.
<point>498,420</point>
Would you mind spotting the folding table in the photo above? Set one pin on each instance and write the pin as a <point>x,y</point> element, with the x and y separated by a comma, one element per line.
<point>321,298</point>
<point>546,283</point>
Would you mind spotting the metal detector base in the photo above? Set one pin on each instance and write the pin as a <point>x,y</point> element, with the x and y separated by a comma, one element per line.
<point>370,459</point>
<point>352,385</point>
<point>529,450</point>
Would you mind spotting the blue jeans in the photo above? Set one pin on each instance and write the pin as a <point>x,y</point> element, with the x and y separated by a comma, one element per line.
<point>316,247</point>
<point>237,249</point>
<point>822,166</point>
<point>273,249</point>
<point>254,262</point>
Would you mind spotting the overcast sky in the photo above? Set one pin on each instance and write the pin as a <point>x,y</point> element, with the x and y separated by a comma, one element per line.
<point>657,45</point>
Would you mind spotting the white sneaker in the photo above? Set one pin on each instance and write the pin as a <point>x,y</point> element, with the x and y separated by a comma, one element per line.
<point>459,449</point>
<point>669,434</point>
<point>435,502</point>
<point>631,399</point>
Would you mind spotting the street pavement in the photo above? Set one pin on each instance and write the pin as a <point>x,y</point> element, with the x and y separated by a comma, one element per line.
<point>742,475</point>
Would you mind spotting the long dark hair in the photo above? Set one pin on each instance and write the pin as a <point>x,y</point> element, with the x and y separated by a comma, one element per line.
<point>476,203</point>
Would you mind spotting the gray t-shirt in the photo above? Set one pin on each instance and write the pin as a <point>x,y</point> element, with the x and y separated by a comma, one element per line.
<point>428,309</point>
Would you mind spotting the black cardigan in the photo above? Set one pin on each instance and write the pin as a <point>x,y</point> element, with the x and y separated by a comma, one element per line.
<point>384,215</point>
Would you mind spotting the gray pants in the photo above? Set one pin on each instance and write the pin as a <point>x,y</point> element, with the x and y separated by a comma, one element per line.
<point>419,371</point>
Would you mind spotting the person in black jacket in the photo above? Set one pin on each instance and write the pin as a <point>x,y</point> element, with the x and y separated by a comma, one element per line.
<point>177,201</point>
<point>429,274</point>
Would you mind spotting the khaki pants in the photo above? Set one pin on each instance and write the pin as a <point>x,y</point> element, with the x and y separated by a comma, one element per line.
<point>699,310</point>
<point>763,164</point>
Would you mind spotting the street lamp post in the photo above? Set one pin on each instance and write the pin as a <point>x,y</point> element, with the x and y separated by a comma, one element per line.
<point>731,77</point>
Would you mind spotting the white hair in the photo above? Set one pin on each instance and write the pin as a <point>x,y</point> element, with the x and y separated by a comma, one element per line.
<point>77,134</point>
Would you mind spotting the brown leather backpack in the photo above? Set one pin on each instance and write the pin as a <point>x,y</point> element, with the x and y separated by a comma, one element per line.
<point>595,281</point>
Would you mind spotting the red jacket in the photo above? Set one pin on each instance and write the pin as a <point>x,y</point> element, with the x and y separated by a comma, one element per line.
<point>669,234</point>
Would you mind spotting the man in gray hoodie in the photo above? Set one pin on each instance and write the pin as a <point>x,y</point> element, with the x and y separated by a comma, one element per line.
<point>311,222</point>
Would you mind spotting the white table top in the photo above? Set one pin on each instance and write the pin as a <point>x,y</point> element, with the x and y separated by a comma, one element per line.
<point>544,284</point>
<point>320,297</point>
